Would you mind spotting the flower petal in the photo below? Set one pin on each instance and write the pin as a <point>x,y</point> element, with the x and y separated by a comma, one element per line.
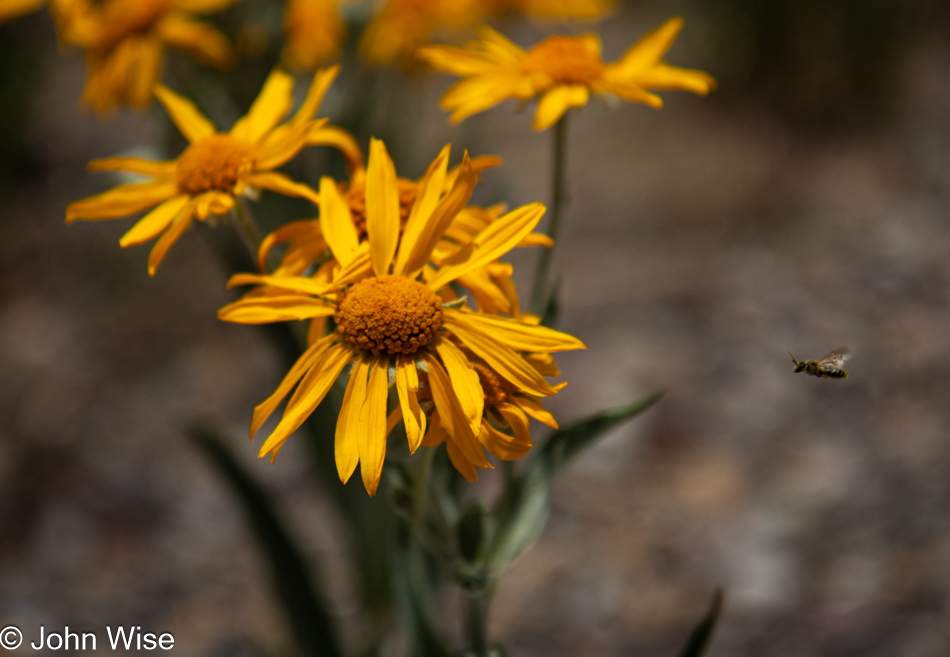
<point>414,419</point>
<point>322,80</point>
<point>519,335</point>
<point>197,38</point>
<point>663,76</point>
<point>336,221</point>
<point>461,462</point>
<point>340,139</point>
<point>183,113</point>
<point>308,229</point>
<point>346,440</point>
<point>534,409</point>
<point>268,309</point>
<point>121,201</point>
<point>465,382</point>
<point>278,182</point>
<point>271,106</point>
<point>556,101</point>
<point>382,207</point>
<point>501,445</point>
<point>372,433</point>
<point>151,225</point>
<point>500,358</point>
<point>496,240</point>
<point>454,419</point>
<point>134,165</point>
<point>311,391</point>
<point>170,236</point>
<point>649,50</point>
<point>428,193</point>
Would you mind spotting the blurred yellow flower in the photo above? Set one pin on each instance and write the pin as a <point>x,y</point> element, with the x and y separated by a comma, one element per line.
<point>394,326</point>
<point>561,70</point>
<point>214,169</point>
<point>10,9</point>
<point>314,32</point>
<point>403,25</point>
<point>125,42</point>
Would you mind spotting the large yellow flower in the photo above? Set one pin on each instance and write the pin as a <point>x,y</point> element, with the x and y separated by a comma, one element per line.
<point>403,25</point>
<point>314,32</point>
<point>394,326</point>
<point>561,70</point>
<point>215,168</point>
<point>125,42</point>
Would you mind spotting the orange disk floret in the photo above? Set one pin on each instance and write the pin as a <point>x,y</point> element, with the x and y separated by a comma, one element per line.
<point>215,162</point>
<point>566,59</point>
<point>389,314</point>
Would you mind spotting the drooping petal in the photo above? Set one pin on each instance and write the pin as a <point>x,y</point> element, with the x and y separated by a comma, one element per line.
<point>183,113</point>
<point>427,197</point>
<point>170,236</point>
<point>519,335</point>
<point>121,201</point>
<point>533,408</point>
<point>556,101</point>
<point>509,364</point>
<point>465,382</point>
<point>496,240</point>
<point>336,221</point>
<point>518,421</point>
<point>346,440</point>
<point>453,416</point>
<point>407,385</point>
<point>197,38</point>
<point>271,106</point>
<point>461,462</point>
<point>501,445</point>
<point>264,410</point>
<point>295,230</point>
<point>311,391</point>
<point>382,207</point>
<point>340,139</point>
<point>278,182</point>
<point>269,309</point>
<point>372,434</point>
<point>436,435</point>
<point>151,225</point>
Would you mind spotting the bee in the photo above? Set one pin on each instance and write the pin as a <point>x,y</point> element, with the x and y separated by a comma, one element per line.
<point>829,366</point>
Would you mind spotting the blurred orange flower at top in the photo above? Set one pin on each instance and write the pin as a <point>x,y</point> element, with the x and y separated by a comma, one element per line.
<point>125,43</point>
<point>561,70</point>
<point>403,25</point>
<point>314,32</point>
<point>10,9</point>
<point>215,168</point>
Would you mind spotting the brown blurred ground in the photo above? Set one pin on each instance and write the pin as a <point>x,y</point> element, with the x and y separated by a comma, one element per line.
<point>801,207</point>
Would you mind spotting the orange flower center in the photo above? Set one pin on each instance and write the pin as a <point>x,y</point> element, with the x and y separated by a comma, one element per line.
<point>355,196</point>
<point>389,314</point>
<point>216,162</point>
<point>120,19</point>
<point>496,388</point>
<point>566,59</point>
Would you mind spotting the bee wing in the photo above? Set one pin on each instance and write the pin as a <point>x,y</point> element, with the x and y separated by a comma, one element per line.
<point>836,358</point>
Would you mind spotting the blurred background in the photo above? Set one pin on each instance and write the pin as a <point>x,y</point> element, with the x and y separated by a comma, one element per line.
<point>805,205</point>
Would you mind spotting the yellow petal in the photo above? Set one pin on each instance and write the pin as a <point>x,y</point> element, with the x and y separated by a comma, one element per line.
<point>294,230</point>
<point>649,50</point>
<point>509,364</point>
<point>544,363</point>
<point>501,445</point>
<point>414,419</point>
<point>271,106</point>
<point>372,433</point>
<point>465,382</point>
<point>663,76</point>
<point>493,242</point>
<point>461,462</point>
<point>278,182</point>
<point>427,197</point>
<point>134,165</point>
<point>519,335</point>
<point>269,309</point>
<point>322,80</point>
<point>518,421</point>
<point>121,201</point>
<point>346,440</point>
<point>473,95</point>
<point>264,410</point>
<point>340,139</point>
<point>145,68</point>
<point>534,409</point>
<point>382,207</point>
<point>558,100</point>
<point>454,419</point>
<point>169,237</point>
<point>436,435</point>
<point>311,391</point>
<point>183,113</point>
<point>283,143</point>
<point>151,225</point>
<point>336,221</point>
<point>197,38</point>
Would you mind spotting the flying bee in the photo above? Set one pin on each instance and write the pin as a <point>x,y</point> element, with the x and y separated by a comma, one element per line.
<point>829,366</point>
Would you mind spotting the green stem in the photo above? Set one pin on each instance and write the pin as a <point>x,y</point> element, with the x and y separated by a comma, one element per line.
<point>476,625</point>
<point>247,227</point>
<point>421,489</point>
<point>543,276</point>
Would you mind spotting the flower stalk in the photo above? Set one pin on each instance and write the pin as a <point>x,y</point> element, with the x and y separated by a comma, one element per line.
<point>544,279</point>
<point>476,625</point>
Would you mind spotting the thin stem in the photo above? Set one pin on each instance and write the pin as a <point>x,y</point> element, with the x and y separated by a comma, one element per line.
<point>247,227</point>
<point>543,276</point>
<point>421,488</point>
<point>476,625</point>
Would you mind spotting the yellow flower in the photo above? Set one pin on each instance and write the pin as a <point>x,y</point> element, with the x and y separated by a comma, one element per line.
<point>394,326</point>
<point>10,9</point>
<point>561,70</point>
<point>125,42</point>
<point>314,32</point>
<point>215,168</point>
<point>403,25</point>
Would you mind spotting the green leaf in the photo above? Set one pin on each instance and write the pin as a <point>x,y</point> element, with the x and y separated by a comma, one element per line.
<point>524,509</point>
<point>699,640</point>
<point>306,613</point>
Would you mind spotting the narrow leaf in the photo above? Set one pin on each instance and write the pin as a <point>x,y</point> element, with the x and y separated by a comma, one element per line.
<point>701,638</point>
